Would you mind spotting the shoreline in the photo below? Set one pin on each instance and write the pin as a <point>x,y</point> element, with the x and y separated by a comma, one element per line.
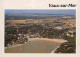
<point>55,49</point>
<point>44,39</point>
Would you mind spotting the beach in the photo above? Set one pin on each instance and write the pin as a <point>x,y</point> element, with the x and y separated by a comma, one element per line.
<point>47,39</point>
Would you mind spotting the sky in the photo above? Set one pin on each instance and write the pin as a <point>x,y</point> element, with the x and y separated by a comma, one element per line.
<point>41,11</point>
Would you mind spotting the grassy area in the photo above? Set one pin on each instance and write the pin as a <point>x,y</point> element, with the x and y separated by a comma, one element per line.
<point>15,21</point>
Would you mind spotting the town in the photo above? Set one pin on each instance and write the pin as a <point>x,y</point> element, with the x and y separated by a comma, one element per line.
<point>40,31</point>
<point>61,27</point>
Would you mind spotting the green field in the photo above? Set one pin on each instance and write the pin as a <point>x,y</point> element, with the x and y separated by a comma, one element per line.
<point>39,46</point>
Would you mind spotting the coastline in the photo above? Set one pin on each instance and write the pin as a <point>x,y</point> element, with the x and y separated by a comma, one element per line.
<point>55,49</point>
<point>47,39</point>
<point>44,39</point>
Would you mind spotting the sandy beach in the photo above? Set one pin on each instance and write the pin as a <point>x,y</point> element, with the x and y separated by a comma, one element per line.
<point>46,39</point>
